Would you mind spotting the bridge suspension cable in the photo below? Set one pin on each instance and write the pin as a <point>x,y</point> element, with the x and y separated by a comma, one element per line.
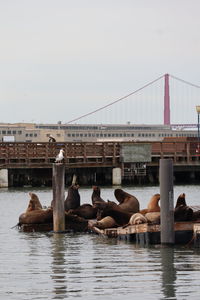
<point>184,81</point>
<point>116,101</point>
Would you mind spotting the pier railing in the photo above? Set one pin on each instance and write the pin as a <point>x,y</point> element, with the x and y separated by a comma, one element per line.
<point>24,154</point>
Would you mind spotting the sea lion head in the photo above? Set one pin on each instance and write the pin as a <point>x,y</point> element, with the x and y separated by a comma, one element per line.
<point>119,195</point>
<point>181,200</point>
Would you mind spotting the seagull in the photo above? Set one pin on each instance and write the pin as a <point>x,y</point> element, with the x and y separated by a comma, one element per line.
<point>60,156</point>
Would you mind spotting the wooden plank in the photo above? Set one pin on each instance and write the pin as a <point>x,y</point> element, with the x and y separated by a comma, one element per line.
<point>142,228</point>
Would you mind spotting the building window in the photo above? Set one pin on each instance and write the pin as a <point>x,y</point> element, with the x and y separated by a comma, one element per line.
<point>35,134</point>
<point>69,134</point>
<point>3,132</point>
<point>19,132</point>
<point>14,132</point>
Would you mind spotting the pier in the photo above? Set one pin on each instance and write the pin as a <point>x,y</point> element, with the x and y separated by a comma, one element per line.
<point>137,161</point>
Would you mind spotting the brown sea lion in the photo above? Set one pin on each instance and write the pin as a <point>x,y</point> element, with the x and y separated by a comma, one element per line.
<point>75,223</point>
<point>152,205</point>
<point>96,195</point>
<point>86,211</point>
<point>113,210</point>
<point>34,203</point>
<point>40,216</point>
<point>153,217</point>
<point>181,200</point>
<point>127,201</point>
<point>106,222</point>
<point>72,200</point>
<point>182,212</point>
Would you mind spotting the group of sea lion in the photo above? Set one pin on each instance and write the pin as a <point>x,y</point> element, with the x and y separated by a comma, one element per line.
<point>106,214</point>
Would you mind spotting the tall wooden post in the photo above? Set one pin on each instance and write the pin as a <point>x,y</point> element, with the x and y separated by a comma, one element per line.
<point>167,201</point>
<point>58,197</point>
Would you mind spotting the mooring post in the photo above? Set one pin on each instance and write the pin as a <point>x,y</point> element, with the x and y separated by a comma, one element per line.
<point>167,201</point>
<point>58,197</point>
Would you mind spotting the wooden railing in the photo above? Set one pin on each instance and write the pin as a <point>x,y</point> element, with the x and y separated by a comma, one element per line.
<point>83,154</point>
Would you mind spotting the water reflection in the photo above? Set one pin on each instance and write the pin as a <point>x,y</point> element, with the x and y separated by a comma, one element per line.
<point>168,272</point>
<point>58,266</point>
<point>67,268</point>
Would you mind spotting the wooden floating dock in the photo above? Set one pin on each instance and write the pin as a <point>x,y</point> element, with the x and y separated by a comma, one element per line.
<point>72,223</point>
<point>186,233</point>
<point>149,234</point>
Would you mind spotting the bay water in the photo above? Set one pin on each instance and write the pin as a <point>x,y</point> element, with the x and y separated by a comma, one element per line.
<point>84,265</point>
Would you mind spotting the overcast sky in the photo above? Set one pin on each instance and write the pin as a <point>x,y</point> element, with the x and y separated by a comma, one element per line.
<point>60,59</point>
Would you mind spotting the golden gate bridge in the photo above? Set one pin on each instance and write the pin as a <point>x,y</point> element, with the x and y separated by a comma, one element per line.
<point>167,100</point>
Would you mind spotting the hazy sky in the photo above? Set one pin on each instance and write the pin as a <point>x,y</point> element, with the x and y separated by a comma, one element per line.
<point>60,59</point>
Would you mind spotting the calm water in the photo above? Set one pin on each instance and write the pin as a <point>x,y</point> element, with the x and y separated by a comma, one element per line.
<point>56,266</point>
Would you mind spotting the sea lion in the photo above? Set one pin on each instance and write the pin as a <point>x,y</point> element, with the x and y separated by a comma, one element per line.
<point>113,210</point>
<point>40,216</point>
<point>152,205</point>
<point>86,211</point>
<point>127,201</point>
<point>96,195</point>
<point>181,200</point>
<point>34,203</point>
<point>106,222</point>
<point>153,217</point>
<point>72,200</point>
<point>182,212</point>
<point>137,218</point>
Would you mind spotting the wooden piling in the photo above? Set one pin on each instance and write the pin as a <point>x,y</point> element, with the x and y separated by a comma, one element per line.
<point>58,197</point>
<point>166,201</point>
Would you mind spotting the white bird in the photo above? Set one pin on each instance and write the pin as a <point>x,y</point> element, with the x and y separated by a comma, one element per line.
<point>60,156</point>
